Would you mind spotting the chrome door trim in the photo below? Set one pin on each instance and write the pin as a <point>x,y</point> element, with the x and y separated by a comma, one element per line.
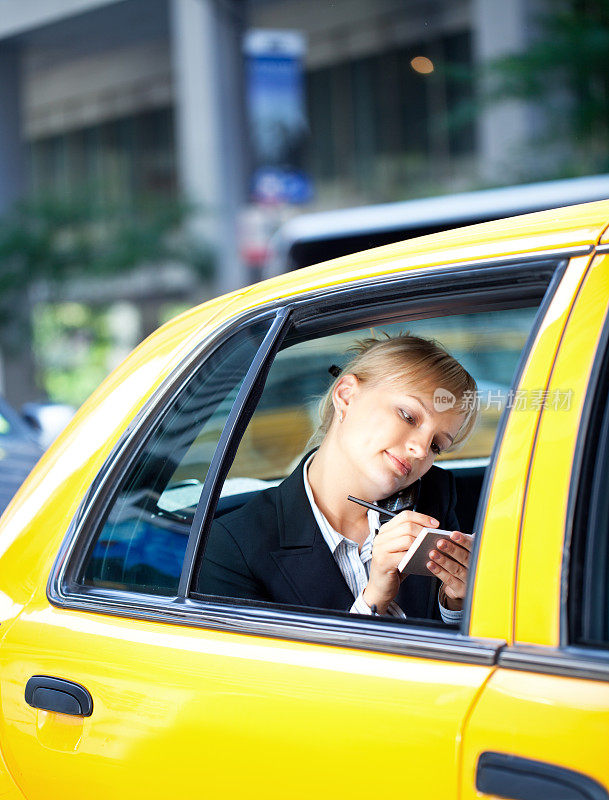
<point>325,628</point>
<point>568,662</point>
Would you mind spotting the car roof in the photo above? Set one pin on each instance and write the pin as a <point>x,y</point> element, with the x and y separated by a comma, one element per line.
<point>544,232</point>
<point>539,233</point>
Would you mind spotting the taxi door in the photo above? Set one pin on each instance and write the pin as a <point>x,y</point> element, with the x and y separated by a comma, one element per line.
<point>541,725</point>
<point>133,695</point>
<point>177,710</point>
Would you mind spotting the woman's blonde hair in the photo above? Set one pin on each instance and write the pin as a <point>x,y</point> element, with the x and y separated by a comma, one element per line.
<point>411,358</point>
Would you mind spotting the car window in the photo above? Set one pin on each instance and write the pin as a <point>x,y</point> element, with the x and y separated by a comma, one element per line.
<point>141,542</point>
<point>487,344</point>
<point>237,564</point>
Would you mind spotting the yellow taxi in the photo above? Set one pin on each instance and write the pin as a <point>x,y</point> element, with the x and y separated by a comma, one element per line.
<point>121,678</point>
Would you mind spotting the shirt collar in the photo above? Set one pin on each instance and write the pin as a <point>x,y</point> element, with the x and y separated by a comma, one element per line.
<point>331,536</point>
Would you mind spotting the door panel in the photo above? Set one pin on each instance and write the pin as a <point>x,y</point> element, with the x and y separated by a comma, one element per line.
<point>184,710</point>
<point>8,788</point>
<point>558,721</point>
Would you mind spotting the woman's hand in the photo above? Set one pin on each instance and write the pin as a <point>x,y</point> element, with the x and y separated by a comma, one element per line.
<point>452,573</point>
<point>392,541</point>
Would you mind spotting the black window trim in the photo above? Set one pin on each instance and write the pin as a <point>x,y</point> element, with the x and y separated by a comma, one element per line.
<point>569,661</point>
<point>581,507</point>
<point>239,416</point>
<point>315,305</point>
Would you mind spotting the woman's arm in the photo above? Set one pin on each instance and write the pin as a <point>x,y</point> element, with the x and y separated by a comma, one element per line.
<point>224,571</point>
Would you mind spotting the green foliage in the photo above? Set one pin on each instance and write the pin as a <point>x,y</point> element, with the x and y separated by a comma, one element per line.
<point>563,73</point>
<point>570,61</point>
<point>55,239</point>
<point>73,343</point>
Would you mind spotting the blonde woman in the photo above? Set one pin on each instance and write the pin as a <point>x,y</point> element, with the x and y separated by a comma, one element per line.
<point>304,543</point>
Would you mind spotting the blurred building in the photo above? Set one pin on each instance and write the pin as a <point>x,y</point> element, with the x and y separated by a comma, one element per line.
<point>129,96</point>
<point>138,96</point>
<point>147,95</point>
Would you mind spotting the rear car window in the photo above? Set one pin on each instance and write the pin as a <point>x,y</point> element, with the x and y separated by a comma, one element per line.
<point>141,542</point>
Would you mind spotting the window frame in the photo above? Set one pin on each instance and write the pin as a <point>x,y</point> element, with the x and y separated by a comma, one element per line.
<point>62,587</point>
<point>514,280</point>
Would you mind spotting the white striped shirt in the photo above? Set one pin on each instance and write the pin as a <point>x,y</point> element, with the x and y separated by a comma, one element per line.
<point>355,564</point>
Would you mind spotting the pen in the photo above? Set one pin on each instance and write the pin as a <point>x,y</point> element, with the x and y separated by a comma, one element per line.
<point>374,507</point>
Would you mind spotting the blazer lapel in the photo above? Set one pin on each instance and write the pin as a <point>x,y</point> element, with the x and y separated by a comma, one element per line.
<point>304,558</point>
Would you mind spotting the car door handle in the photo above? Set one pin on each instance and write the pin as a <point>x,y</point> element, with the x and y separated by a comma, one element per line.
<point>57,694</point>
<point>518,778</point>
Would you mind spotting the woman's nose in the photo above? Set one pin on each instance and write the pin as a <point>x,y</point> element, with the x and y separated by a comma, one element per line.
<point>419,444</point>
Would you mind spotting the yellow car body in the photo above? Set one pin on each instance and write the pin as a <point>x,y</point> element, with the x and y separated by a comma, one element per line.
<point>189,697</point>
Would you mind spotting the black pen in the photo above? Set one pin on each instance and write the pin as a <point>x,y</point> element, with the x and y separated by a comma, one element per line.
<point>372,506</point>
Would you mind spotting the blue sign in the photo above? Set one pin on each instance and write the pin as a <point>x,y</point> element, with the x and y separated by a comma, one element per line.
<point>276,185</point>
<point>278,126</point>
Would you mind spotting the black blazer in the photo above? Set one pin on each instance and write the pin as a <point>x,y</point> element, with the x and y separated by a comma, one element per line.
<point>272,549</point>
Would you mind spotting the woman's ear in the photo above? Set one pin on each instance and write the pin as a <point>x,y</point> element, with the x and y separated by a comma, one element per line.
<point>343,393</point>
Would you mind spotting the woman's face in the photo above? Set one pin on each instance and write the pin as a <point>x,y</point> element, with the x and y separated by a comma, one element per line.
<point>390,434</point>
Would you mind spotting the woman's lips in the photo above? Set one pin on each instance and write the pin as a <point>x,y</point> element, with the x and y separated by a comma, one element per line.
<point>403,467</point>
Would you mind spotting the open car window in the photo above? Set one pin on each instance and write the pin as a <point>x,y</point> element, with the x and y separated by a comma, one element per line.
<point>148,534</point>
<point>488,344</point>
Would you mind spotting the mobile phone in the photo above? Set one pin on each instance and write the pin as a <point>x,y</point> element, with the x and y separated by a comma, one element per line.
<point>404,500</point>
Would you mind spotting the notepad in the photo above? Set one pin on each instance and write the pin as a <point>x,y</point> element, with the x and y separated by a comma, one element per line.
<point>416,558</point>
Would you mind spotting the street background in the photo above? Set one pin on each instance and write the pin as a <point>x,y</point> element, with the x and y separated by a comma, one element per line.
<point>150,149</point>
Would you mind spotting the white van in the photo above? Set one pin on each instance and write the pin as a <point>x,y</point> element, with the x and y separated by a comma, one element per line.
<point>312,238</point>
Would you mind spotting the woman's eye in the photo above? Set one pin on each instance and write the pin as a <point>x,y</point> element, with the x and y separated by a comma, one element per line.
<point>435,448</point>
<point>407,417</point>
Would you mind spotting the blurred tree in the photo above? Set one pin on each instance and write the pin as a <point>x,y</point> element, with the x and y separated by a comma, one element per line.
<point>567,71</point>
<point>54,240</point>
<point>72,343</point>
<point>564,74</point>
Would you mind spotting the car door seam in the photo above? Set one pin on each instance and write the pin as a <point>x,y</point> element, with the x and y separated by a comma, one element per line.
<point>466,720</point>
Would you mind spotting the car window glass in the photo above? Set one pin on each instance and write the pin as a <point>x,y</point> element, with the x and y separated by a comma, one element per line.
<point>141,544</point>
